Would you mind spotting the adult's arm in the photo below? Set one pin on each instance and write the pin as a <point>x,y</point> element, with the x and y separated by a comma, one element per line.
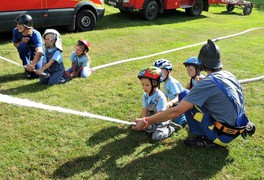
<point>170,113</point>
<point>37,57</point>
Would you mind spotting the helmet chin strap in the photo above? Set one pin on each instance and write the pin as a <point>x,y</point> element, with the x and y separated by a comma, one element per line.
<point>152,87</point>
<point>165,79</point>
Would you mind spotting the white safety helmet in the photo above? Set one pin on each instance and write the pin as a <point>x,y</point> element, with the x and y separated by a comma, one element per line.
<point>56,37</point>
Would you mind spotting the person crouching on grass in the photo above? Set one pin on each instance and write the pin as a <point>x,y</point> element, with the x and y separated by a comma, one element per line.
<point>28,42</point>
<point>52,59</point>
<point>214,107</point>
<point>80,61</point>
<point>154,101</point>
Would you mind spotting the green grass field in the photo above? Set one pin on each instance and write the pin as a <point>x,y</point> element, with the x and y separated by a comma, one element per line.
<point>41,144</point>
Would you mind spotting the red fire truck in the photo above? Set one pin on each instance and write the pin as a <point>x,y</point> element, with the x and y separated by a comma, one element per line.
<point>151,8</point>
<point>78,15</point>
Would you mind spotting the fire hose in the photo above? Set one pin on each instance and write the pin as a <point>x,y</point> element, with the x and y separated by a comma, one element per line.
<point>8,60</point>
<point>25,102</point>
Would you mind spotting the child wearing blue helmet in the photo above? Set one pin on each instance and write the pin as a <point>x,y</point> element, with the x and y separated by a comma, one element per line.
<point>193,66</point>
<point>172,88</point>
<point>154,101</point>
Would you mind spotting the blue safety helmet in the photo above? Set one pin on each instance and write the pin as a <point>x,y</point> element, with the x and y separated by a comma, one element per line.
<point>194,61</point>
<point>163,64</point>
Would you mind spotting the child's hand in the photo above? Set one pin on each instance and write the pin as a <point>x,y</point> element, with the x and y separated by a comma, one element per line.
<point>169,104</point>
<point>39,71</point>
<point>73,74</point>
<point>198,78</point>
<point>139,125</point>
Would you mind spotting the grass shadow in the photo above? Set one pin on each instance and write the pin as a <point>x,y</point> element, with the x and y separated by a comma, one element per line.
<point>115,159</point>
<point>12,77</point>
<point>230,13</point>
<point>134,19</point>
<point>29,88</point>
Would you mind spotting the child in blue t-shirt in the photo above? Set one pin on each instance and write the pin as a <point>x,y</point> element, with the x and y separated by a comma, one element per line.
<point>154,101</point>
<point>80,61</point>
<point>172,89</point>
<point>52,61</point>
<point>193,67</point>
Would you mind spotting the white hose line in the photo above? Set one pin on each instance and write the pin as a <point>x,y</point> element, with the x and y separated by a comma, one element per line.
<point>173,50</point>
<point>244,81</point>
<point>25,102</point>
<point>9,60</point>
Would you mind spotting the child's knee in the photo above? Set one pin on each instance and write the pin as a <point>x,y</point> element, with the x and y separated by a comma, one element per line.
<point>158,135</point>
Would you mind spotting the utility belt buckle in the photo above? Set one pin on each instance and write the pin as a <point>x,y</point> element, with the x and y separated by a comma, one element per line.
<point>228,130</point>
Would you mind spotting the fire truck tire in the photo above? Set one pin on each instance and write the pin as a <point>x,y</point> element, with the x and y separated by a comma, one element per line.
<point>151,11</point>
<point>196,10</point>
<point>85,20</point>
<point>247,9</point>
<point>230,7</point>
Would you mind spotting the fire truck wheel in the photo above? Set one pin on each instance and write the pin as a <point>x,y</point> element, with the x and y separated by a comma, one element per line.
<point>196,10</point>
<point>247,9</point>
<point>151,11</point>
<point>85,20</point>
<point>230,7</point>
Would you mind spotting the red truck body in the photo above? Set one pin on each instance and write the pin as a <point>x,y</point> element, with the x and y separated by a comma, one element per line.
<point>78,15</point>
<point>151,8</point>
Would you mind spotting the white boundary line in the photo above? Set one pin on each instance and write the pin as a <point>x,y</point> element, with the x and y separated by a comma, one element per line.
<point>174,50</point>
<point>25,102</point>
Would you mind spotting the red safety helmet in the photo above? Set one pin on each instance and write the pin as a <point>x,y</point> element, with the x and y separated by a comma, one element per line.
<point>86,44</point>
<point>152,72</point>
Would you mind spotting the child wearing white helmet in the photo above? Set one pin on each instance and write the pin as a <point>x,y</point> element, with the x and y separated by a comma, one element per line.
<point>52,60</point>
<point>80,61</point>
<point>172,88</point>
<point>154,101</point>
<point>193,66</point>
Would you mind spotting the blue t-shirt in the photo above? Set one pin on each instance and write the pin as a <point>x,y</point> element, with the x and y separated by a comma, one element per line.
<point>79,61</point>
<point>172,88</point>
<point>34,42</point>
<point>57,56</point>
<point>206,93</point>
<point>161,104</point>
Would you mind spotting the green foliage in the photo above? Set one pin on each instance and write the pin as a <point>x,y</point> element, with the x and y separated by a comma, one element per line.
<point>40,144</point>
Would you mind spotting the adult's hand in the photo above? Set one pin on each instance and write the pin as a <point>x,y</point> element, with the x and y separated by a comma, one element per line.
<point>139,124</point>
<point>30,67</point>
<point>25,39</point>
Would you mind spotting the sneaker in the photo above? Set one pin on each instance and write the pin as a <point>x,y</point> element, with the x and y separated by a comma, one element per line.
<point>28,74</point>
<point>200,141</point>
<point>176,126</point>
<point>151,128</point>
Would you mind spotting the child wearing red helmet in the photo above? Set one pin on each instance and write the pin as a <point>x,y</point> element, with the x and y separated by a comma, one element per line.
<point>154,101</point>
<point>80,61</point>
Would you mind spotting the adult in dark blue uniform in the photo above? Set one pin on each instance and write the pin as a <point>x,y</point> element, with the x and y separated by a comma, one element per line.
<point>28,42</point>
<point>214,107</point>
